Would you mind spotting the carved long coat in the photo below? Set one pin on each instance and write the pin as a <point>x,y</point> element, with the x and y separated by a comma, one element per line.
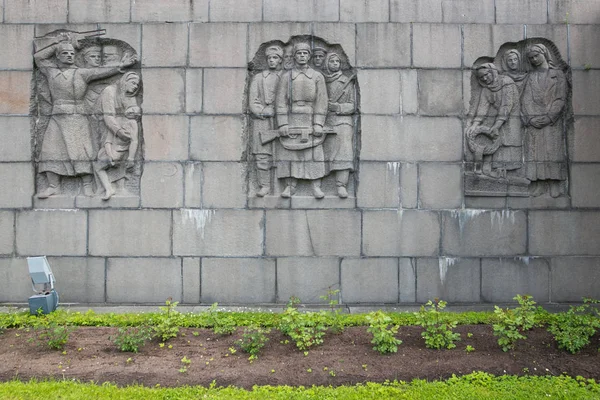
<point>339,148</point>
<point>261,101</point>
<point>67,148</point>
<point>301,101</point>
<point>544,94</point>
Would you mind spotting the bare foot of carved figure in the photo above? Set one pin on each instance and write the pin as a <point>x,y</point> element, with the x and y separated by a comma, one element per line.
<point>109,193</point>
<point>50,191</point>
<point>342,192</point>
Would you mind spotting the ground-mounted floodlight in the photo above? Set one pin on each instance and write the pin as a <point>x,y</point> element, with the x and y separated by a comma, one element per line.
<point>45,299</point>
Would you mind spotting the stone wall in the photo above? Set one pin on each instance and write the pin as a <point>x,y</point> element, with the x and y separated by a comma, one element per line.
<point>409,235</point>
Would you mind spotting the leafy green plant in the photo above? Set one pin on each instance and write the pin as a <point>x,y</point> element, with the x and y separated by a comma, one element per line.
<point>469,348</point>
<point>573,330</point>
<point>55,336</point>
<point>306,330</point>
<point>185,363</point>
<point>293,302</point>
<point>131,338</point>
<point>512,324</point>
<point>167,325</point>
<point>253,340</point>
<point>383,335</point>
<point>336,324</point>
<point>222,324</point>
<point>438,330</point>
<point>527,311</point>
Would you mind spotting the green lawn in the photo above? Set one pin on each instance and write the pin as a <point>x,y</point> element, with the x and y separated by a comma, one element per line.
<point>477,385</point>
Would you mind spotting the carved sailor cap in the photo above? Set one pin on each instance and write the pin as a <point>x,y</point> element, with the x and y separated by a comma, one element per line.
<point>274,50</point>
<point>302,46</point>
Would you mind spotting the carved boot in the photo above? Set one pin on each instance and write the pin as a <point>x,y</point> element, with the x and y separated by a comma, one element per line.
<point>87,182</point>
<point>264,179</point>
<point>341,181</point>
<point>317,192</point>
<point>49,191</point>
<point>555,188</point>
<point>538,188</point>
<point>53,186</point>
<point>290,189</point>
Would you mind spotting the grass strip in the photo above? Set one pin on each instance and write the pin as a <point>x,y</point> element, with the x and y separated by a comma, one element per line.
<point>203,320</point>
<point>478,385</point>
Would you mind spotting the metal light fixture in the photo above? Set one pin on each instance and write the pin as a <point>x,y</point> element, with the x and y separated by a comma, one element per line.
<point>46,299</point>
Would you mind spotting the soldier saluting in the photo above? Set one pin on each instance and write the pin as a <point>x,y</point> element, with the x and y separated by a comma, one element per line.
<point>67,144</point>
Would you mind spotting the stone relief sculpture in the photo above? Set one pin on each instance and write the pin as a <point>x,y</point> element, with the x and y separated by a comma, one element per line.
<point>542,111</point>
<point>119,144</point>
<point>303,113</point>
<point>87,115</point>
<point>340,112</point>
<point>492,136</point>
<point>262,108</point>
<point>519,117</point>
<point>301,108</point>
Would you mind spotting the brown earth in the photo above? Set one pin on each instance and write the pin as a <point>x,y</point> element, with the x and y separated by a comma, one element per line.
<point>347,358</point>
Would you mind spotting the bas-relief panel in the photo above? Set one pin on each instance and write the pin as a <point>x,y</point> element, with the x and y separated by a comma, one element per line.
<point>518,122</point>
<point>303,130</point>
<point>86,108</point>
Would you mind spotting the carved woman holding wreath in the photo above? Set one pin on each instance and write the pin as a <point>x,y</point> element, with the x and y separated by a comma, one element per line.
<point>492,136</point>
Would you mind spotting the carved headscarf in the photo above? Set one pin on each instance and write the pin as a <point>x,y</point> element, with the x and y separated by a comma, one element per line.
<point>127,76</point>
<point>496,83</point>
<point>331,76</point>
<point>516,75</point>
<point>541,49</point>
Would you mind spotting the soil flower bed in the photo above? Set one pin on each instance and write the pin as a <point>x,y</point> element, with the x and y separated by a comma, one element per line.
<point>343,359</point>
<point>199,356</point>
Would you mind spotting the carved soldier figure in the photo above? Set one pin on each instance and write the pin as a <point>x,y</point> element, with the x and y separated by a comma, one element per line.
<point>542,108</point>
<point>110,55</point>
<point>92,56</point>
<point>288,57</point>
<point>318,57</point>
<point>261,103</point>
<point>120,113</point>
<point>301,109</point>
<point>494,132</point>
<point>67,145</point>
<point>341,107</point>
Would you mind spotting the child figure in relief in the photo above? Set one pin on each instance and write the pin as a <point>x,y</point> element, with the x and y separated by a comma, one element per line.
<point>120,132</point>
